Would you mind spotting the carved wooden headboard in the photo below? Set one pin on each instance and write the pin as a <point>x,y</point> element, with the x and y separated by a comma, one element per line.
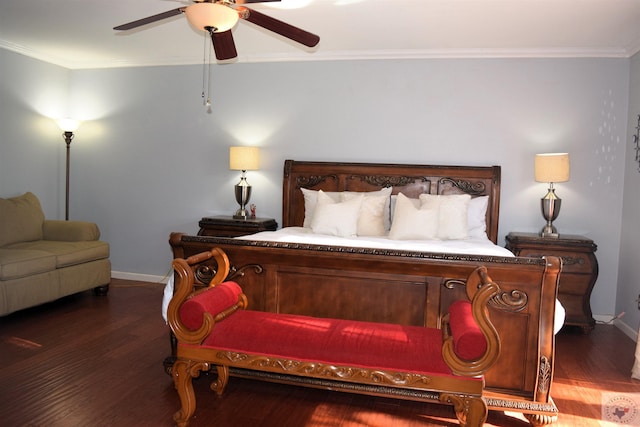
<point>410,180</point>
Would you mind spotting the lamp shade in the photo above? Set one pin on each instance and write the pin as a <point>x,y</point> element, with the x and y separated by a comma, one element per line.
<point>243,158</point>
<point>218,16</point>
<point>68,125</point>
<point>552,167</point>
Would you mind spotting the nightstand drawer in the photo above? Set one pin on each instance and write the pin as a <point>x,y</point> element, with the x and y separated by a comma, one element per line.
<point>572,284</point>
<point>572,262</point>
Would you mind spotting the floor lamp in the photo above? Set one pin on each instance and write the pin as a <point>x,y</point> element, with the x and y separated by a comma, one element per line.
<point>68,126</point>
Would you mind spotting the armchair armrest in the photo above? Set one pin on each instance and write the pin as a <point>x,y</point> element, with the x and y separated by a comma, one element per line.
<point>70,231</point>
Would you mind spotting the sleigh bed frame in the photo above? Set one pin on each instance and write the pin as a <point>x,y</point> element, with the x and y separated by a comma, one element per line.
<point>402,287</point>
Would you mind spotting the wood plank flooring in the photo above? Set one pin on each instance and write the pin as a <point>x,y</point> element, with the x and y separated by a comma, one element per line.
<point>97,361</point>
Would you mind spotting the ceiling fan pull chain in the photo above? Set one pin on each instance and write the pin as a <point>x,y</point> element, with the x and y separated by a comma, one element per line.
<point>208,103</point>
<point>204,62</point>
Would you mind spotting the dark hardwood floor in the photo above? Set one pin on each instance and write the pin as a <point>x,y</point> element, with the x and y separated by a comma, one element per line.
<point>97,361</point>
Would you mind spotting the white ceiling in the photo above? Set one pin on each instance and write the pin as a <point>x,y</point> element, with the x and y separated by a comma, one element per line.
<point>78,33</point>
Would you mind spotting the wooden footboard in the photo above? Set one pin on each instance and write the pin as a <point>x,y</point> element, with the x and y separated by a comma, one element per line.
<point>406,288</point>
<point>214,330</point>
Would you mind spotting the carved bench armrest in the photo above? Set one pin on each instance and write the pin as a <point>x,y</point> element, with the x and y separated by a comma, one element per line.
<point>480,289</point>
<point>192,314</point>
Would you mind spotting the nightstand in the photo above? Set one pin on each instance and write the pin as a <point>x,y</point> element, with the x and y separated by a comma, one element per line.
<point>227,226</point>
<point>578,275</point>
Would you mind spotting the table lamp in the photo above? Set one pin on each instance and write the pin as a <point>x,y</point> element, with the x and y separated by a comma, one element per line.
<point>243,159</point>
<point>551,168</point>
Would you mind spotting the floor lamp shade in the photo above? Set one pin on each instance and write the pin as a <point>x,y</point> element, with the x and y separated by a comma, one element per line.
<point>551,168</point>
<point>68,125</point>
<point>243,159</point>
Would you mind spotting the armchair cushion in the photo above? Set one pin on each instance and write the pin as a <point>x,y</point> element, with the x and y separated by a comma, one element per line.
<point>68,253</point>
<point>468,340</point>
<point>21,219</point>
<point>17,263</point>
<point>70,231</point>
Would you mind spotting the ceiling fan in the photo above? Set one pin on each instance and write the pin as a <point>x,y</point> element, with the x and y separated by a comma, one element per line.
<point>218,17</point>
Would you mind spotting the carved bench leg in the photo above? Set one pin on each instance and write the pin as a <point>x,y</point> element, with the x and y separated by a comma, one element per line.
<point>470,411</point>
<point>170,360</point>
<point>539,420</point>
<point>183,372</point>
<point>221,382</point>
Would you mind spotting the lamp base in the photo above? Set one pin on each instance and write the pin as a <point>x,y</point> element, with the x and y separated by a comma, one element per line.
<point>549,231</point>
<point>241,214</point>
<point>550,205</point>
<point>243,194</point>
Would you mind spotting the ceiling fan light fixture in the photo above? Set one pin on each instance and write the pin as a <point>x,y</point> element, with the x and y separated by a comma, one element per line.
<point>203,15</point>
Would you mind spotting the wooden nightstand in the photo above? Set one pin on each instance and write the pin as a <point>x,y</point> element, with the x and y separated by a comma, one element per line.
<point>579,270</point>
<point>227,226</point>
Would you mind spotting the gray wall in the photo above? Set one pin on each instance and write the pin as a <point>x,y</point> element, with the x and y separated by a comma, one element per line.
<point>31,144</point>
<point>629,272</point>
<point>150,159</point>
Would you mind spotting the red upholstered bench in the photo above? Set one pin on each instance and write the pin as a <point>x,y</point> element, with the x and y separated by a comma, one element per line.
<point>213,329</point>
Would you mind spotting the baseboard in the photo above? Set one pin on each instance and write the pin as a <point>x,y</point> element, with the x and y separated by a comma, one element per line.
<point>628,330</point>
<point>139,277</point>
<point>620,324</point>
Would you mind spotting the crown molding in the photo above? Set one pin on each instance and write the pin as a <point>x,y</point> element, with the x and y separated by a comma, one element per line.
<point>392,54</point>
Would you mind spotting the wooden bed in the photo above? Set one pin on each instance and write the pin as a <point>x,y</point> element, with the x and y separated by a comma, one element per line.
<point>404,287</point>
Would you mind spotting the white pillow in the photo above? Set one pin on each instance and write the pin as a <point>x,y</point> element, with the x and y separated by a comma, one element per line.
<point>371,215</point>
<point>411,222</point>
<point>453,214</point>
<point>310,200</point>
<point>336,218</point>
<point>394,198</point>
<point>477,220</point>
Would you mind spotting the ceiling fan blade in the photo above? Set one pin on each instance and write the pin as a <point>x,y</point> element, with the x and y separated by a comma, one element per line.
<point>224,45</point>
<point>150,19</point>
<point>272,24</point>
<point>255,1</point>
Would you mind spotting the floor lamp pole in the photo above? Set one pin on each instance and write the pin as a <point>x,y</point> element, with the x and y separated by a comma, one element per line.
<point>68,136</point>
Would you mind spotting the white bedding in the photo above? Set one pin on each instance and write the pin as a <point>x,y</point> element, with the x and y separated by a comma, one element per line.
<point>470,246</point>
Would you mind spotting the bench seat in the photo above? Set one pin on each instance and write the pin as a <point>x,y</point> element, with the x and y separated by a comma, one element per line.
<point>368,345</point>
